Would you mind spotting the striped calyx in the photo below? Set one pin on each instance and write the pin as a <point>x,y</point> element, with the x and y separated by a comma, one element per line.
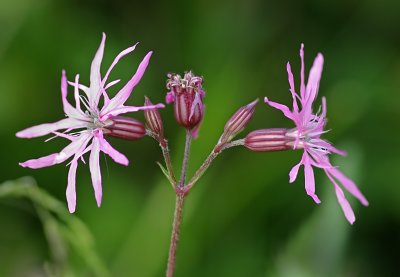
<point>268,140</point>
<point>238,122</point>
<point>153,120</point>
<point>124,128</point>
<point>187,94</point>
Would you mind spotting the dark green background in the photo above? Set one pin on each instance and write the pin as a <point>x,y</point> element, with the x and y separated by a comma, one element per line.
<point>244,218</point>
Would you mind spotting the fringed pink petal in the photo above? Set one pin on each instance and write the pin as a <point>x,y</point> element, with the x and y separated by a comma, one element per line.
<point>68,108</point>
<point>94,165</point>
<point>116,60</point>
<point>284,109</point>
<point>170,97</point>
<point>71,191</point>
<point>126,91</point>
<point>310,180</point>
<point>313,80</point>
<point>292,89</point>
<point>129,109</point>
<point>349,185</point>
<point>47,128</point>
<point>114,154</point>
<point>294,171</point>
<point>344,204</point>
<point>95,75</point>
<point>302,85</point>
<point>41,162</point>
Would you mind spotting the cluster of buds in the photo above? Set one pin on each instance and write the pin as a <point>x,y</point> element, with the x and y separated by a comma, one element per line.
<point>187,95</point>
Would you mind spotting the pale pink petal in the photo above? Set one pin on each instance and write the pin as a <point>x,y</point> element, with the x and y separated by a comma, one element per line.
<point>71,191</point>
<point>302,85</point>
<point>116,60</point>
<point>313,80</point>
<point>57,158</point>
<point>292,89</point>
<point>349,185</point>
<point>284,109</point>
<point>114,154</point>
<point>310,180</point>
<point>294,171</point>
<point>41,162</point>
<point>344,204</point>
<point>94,165</point>
<point>68,108</point>
<point>76,95</point>
<point>47,128</point>
<point>110,84</point>
<point>129,109</point>
<point>126,91</point>
<point>95,75</point>
<point>170,97</point>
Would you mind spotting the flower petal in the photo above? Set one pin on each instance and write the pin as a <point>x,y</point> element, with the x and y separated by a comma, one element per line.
<point>129,109</point>
<point>95,75</point>
<point>126,91</point>
<point>116,60</point>
<point>68,108</point>
<point>302,85</point>
<point>349,185</point>
<point>41,162</point>
<point>56,158</point>
<point>294,171</point>
<point>284,109</point>
<point>292,89</point>
<point>71,191</point>
<point>94,165</point>
<point>47,128</point>
<point>114,154</point>
<point>170,97</point>
<point>309,180</point>
<point>344,204</point>
<point>313,80</point>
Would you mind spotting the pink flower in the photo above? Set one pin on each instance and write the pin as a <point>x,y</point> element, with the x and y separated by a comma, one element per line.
<point>307,136</point>
<point>86,124</point>
<point>187,93</point>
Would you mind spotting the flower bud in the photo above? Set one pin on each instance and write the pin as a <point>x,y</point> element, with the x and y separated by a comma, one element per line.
<point>153,120</point>
<point>238,122</point>
<point>187,94</point>
<point>268,140</point>
<point>124,127</point>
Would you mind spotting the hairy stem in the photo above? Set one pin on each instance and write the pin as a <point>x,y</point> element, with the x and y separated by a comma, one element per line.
<point>175,234</point>
<point>167,159</point>
<point>185,159</point>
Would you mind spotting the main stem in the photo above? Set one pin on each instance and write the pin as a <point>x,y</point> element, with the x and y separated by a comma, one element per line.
<point>175,234</point>
<point>180,198</point>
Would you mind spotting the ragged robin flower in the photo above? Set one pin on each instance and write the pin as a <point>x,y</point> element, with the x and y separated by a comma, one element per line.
<point>306,136</point>
<point>86,124</point>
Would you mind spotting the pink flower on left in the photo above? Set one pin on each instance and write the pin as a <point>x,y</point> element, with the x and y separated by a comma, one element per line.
<point>86,124</point>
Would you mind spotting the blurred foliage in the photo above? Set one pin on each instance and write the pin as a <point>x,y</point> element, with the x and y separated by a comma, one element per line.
<point>243,218</point>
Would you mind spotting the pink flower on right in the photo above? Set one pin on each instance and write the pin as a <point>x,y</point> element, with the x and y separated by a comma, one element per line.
<point>307,136</point>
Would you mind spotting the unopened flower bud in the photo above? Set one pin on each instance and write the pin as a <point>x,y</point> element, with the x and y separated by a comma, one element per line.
<point>124,127</point>
<point>187,94</point>
<point>153,120</point>
<point>238,122</point>
<point>268,140</point>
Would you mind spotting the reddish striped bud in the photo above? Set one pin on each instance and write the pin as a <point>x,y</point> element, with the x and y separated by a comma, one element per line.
<point>267,140</point>
<point>153,119</point>
<point>187,94</point>
<point>124,127</point>
<point>238,122</point>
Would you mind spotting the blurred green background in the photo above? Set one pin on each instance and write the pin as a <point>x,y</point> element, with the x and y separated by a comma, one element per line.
<point>244,218</point>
